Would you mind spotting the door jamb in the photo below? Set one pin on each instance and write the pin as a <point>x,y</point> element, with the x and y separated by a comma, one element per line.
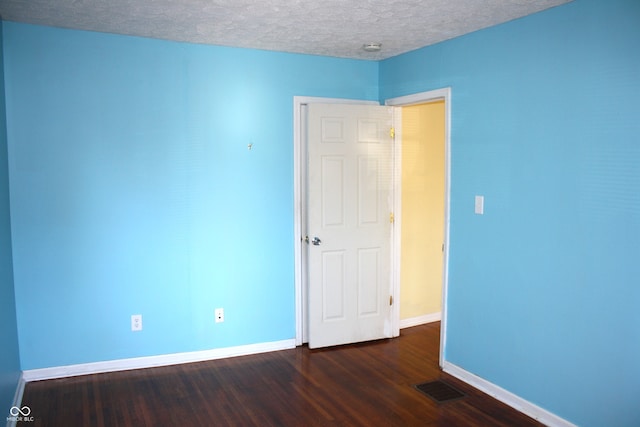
<point>422,98</point>
<point>299,173</point>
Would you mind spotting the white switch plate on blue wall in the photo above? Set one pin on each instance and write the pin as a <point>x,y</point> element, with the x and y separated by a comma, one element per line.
<point>480,205</point>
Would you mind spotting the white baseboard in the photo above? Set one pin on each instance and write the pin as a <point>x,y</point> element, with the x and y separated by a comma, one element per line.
<point>17,400</point>
<point>154,361</point>
<point>541,415</point>
<point>420,320</point>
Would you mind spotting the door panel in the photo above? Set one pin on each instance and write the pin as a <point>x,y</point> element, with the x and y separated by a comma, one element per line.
<point>368,282</point>
<point>368,191</point>
<point>349,199</point>
<point>333,286</point>
<point>332,187</point>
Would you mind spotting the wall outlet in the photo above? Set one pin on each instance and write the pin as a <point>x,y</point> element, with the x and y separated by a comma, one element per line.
<point>219,315</point>
<point>136,322</point>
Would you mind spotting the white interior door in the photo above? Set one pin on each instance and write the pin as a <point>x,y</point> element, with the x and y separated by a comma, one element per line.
<point>349,206</point>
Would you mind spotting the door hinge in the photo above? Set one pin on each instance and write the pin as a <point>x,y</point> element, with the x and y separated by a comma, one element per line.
<point>390,299</point>
<point>392,132</point>
<point>392,218</point>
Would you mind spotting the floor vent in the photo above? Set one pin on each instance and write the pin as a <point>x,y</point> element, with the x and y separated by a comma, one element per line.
<point>439,391</point>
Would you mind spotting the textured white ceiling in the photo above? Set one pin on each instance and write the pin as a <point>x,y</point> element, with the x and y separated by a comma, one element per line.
<point>321,27</point>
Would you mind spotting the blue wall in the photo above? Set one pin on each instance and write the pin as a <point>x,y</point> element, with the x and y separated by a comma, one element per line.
<point>133,190</point>
<point>10,355</point>
<point>544,288</point>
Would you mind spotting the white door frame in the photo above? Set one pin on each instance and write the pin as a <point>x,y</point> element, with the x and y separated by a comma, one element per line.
<point>404,101</point>
<point>299,200</point>
<point>299,172</point>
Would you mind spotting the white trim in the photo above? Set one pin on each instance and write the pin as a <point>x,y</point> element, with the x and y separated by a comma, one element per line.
<point>300,281</point>
<point>421,98</point>
<point>534,411</point>
<point>154,361</point>
<point>396,235</point>
<point>420,320</point>
<point>17,399</point>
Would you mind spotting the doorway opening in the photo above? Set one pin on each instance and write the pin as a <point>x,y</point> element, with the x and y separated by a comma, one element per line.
<point>422,216</point>
<point>424,108</point>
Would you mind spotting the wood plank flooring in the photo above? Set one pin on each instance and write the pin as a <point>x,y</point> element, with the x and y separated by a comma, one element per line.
<point>367,384</point>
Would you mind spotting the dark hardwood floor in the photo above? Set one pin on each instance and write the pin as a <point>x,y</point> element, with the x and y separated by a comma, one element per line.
<point>367,384</point>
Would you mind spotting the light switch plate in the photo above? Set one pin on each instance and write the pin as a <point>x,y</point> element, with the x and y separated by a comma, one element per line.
<point>479,205</point>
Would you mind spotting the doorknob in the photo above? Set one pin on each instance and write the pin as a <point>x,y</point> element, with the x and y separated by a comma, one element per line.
<point>316,240</point>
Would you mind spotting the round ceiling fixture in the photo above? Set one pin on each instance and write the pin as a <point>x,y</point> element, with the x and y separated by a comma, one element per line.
<point>372,47</point>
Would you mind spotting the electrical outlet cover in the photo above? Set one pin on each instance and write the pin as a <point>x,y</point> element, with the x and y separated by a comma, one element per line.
<point>136,322</point>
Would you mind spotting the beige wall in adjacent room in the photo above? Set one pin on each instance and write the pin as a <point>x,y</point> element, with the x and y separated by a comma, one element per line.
<point>423,187</point>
